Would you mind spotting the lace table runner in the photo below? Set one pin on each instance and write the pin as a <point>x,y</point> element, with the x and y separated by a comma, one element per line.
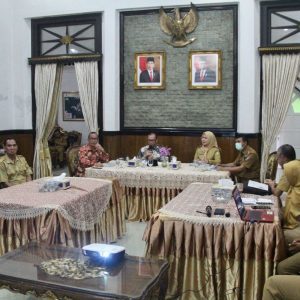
<point>82,204</point>
<point>157,177</point>
<point>195,198</point>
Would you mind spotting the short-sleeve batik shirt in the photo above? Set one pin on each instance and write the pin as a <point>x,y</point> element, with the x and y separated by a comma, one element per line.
<point>88,157</point>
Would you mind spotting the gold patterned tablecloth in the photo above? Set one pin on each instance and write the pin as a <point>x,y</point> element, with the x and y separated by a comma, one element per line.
<point>217,257</point>
<point>148,189</point>
<point>91,210</point>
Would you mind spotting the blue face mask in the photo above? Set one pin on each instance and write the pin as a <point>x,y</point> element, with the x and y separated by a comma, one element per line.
<point>238,146</point>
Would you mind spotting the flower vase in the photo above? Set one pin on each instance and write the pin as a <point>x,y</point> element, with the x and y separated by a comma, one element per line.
<point>164,161</point>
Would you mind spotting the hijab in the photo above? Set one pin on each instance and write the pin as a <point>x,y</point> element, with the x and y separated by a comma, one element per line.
<point>212,141</point>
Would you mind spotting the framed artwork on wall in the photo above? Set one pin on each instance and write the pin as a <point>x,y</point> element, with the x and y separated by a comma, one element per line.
<point>149,70</point>
<point>205,69</point>
<point>72,110</point>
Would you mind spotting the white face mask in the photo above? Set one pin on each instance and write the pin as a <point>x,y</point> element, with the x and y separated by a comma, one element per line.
<point>238,146</point>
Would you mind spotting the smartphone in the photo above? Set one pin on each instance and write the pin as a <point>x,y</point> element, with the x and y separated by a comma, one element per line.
<point>219,212</point>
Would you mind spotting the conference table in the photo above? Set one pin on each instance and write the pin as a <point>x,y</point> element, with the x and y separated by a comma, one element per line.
<point>213,257</point>
<point>147,189</point>
<point>89,211</point>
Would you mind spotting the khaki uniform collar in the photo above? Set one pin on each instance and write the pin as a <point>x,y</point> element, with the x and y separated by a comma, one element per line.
<point>246,150</point>
<point>9,160</point>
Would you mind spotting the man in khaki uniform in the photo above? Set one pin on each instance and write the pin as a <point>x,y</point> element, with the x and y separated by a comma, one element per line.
<point>285,153</point>
<point>291,265</point>
<point>59,143</point>
<point>282,287</point>
<point>14,168</point>
<point>246,166</point>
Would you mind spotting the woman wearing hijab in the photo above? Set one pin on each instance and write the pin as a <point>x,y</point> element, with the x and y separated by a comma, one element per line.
<point>209,151</point>
<point>291,216</point>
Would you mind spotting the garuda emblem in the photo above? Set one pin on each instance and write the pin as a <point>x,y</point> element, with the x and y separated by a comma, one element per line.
<point>178,27</point>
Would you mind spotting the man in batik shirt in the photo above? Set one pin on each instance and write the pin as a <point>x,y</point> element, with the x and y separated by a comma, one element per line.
<point>150,151</point>
<point>91,155</point>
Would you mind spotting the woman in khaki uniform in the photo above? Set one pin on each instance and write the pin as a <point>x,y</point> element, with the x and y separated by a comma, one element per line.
<point>209,151</point>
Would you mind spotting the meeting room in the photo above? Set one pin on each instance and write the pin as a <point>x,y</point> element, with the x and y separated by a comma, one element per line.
<point>150,150</point>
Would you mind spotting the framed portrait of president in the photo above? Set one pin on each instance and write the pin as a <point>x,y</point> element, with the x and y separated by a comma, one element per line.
<point>205,69</point>
<point>149,70</point>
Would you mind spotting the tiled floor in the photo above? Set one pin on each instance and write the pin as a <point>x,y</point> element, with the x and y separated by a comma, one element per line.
<point>132,241</point>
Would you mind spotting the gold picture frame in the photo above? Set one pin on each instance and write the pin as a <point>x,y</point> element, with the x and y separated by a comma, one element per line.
<point>72,110</point>
<point>205,70</point>
<point>150,70</point>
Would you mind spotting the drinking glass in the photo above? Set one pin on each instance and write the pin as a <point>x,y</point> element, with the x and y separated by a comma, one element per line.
<point>118,163</point>
<point>240,186</point>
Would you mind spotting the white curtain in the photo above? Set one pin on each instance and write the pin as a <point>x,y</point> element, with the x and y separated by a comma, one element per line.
<point>47,92</point>
<point>279,74</point>
<point>88,82</point>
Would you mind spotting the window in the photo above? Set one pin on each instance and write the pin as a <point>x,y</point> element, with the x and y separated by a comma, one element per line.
<point>280,23</point>
<point>69,39</point>
<point>69,35</point>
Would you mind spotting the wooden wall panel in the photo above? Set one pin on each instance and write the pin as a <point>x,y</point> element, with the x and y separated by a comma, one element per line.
<point>182,146</point>
<point>122,145</point>
<point>25,142</point>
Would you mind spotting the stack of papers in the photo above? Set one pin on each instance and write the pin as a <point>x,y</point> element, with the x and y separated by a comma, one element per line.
<point>258,185</point>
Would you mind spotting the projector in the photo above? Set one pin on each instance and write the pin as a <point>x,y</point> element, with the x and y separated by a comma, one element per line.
<point>103,254</point>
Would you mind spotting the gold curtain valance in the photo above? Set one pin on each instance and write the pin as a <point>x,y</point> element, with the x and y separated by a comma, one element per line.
<point>65,59</point>
<point>279,50</point>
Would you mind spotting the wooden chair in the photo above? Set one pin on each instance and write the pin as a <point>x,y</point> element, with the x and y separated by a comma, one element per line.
<point>72,159</point>
<point>74,138</point>
<point>2,153</point>
<point>272,166</point>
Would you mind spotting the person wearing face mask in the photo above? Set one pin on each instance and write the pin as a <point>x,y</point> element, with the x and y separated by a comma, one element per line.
<point>246,166</point>
<point>209,151</point>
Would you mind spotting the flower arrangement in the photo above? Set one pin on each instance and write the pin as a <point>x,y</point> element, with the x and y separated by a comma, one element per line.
<point>164,151</point>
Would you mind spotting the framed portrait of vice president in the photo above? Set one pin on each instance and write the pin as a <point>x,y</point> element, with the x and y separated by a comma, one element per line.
<point>205,69</point>
<point>149,70</point>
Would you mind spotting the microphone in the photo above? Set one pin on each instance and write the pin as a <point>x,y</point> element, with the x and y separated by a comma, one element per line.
<point>208,211</point>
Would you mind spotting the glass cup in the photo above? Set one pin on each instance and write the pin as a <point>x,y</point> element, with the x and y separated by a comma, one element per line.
<point>118,162</point>
<point>240,186</point>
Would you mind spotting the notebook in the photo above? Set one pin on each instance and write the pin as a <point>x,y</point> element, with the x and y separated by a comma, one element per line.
<point>251,215</point>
